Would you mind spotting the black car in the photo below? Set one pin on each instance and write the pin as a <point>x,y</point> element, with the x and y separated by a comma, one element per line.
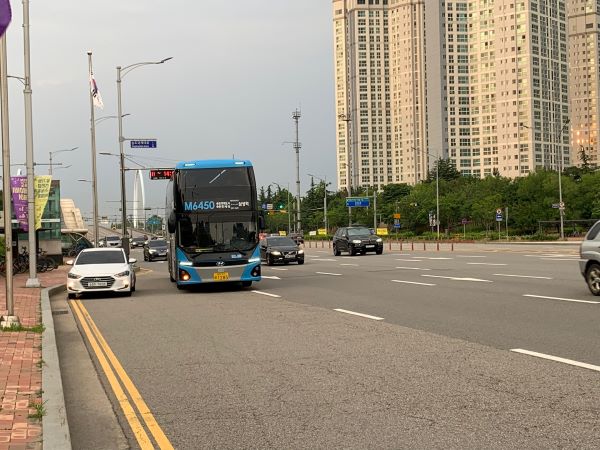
<point>137,242</point>
<point>356,240</point>
<point>280,249</point>
<point>155,249</point>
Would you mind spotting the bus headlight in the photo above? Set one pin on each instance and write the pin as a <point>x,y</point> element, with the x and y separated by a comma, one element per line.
<point>184,275</point>
<point>254,259</point>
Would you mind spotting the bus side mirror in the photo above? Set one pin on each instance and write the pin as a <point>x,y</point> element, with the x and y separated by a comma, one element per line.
<point>172,222</point>
<point>261,221</point>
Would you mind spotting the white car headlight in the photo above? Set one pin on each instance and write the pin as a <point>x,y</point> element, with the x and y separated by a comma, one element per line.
<point>275,252</point>
<point>254,259</point>
<point>356,241</point>
<point>379,240</point>
<point>73,276</point>
<point>300,251</point>
<point>152,251</point>
<point>122,274</point>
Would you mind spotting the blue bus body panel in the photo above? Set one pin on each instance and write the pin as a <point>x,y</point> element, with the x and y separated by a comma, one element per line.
<point>213,164</point>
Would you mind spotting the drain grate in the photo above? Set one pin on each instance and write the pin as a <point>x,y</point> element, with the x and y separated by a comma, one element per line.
<point>60,311</point>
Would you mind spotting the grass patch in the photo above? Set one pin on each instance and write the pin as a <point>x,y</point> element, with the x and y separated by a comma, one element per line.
<point>40,363</point>
<point>40,410</point>
<point>40,328</point>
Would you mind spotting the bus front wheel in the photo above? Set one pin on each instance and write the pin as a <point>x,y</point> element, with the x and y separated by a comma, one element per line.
<point>246,283</point>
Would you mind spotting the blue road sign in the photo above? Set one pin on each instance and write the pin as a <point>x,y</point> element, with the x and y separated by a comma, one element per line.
<point>356,202</point>
<point>148,143</point>
<point>498,217</point>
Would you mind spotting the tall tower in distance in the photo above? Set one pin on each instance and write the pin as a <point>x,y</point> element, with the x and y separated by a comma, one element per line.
<point>584,85</point>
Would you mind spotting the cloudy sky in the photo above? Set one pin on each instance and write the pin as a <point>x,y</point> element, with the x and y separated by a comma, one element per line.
<point>239,70</point>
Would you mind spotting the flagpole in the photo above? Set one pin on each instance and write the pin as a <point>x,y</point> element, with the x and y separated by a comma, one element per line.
<point>93,137</point>
<point>10,318</point>
<point>33,280</point>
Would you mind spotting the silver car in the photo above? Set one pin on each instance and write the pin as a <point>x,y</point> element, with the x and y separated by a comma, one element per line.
<point>590,258</point>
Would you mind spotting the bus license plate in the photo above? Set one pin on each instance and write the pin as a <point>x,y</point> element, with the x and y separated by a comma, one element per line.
<point>221,276</point>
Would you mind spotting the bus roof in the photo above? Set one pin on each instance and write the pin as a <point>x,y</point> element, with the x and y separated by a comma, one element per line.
<point>213,164</point>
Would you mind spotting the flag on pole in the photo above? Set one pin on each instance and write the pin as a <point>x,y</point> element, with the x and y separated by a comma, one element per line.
<point>5,15</point>
<point>95,92</point>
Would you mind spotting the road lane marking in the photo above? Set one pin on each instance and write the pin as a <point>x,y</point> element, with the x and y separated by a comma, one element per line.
<point>277,268</point>
<point>557,359</point>
<point>521,276</point>
<point>329,273</point>
<point>268,294</point>
<point>345,311</point>
<point>562,299</point>
<point>470,256</point>
<point>139,402</point>
<point>434,258</point>
<point>459,278</point>
<point>563,259</point>
<point>271,277</point>
<point>413,282</point>
<point>408,260</point>
<point>322,251</point>
<point>327,259</point>
<point>136,426</point>
<point>411,268</point>
<point>487,264</point>
<point>349,264</point>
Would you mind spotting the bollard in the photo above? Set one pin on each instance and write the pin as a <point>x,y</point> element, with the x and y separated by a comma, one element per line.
<point>452,247</point>
<point>322,244</point>
<point>438,246</point>
<point>390,245</point>
<point>400,245</point>
<point>329,244</point>
<point>412,245</point>
<point>424,246</point>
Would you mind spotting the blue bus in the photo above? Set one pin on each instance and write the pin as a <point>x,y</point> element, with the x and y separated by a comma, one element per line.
<point>213,222</point>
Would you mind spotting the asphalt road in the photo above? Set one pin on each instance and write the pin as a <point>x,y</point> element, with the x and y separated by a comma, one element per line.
<point>277,366</point>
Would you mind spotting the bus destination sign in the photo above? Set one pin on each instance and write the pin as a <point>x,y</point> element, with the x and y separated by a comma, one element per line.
<point>161,174</point>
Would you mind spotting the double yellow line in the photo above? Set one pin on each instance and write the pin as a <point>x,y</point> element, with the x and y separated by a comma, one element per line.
<point>119,381</point>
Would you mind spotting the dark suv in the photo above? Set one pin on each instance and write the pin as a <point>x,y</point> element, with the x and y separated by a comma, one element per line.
<point>589,263</point>
<point>356,240</point>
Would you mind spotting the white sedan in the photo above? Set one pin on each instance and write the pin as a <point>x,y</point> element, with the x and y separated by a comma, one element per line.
<point>101,270</point>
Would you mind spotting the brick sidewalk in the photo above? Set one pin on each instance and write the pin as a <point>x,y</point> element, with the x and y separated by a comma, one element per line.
<point>20,369</point>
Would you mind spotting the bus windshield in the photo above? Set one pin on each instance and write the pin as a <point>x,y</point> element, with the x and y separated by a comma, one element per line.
<point>217,232</point>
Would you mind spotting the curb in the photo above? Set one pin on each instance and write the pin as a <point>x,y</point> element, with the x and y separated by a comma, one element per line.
<point>54,424</point>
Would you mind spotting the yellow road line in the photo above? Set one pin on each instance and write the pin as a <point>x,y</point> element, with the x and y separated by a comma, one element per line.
<point>147,416</point>
<point>137,428</point>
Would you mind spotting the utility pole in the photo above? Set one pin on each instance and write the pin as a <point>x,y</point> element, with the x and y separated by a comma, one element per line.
<point>296,116</point>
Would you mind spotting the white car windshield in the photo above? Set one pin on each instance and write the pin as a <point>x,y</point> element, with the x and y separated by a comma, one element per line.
<point>100,258</point>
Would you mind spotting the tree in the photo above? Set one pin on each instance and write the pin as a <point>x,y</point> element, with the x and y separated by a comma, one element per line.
<point>447,171</point>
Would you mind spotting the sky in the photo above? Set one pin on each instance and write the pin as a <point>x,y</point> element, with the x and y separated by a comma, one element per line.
<point>239,70</point>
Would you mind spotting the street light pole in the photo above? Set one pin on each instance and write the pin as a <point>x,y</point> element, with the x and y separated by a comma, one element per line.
<point>33,280</point>
<point>561,205</point>
<point>121,72</point>
<point>58,151</point>
<point>324,180</point>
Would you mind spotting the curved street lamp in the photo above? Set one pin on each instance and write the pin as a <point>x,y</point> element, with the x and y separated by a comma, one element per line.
<point>59,151</point>
<point>121,72</point>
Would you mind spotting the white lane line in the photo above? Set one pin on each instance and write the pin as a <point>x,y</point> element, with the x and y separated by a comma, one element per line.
<point>521,276</point>
<point>411,268</point>
<point>329,273</point>
<point>277,268</point>
<point>562,299</point>
<point>470,256</point>
<point>349,264</point>
<point>267,294</point>
<point>326,259</point>
<point>562,259</point>
<point>459,279</point>
<point>358,314</point>
<point>409,260</point>
<point>488,264</point>
<point>557,359</point>
<point>271,277</point>
<point>425,257</point>
<point>413,282</point>
<point>322,251</point>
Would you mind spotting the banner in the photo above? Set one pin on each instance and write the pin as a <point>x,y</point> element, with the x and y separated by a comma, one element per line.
<point>18,186</point>
<point>41,190</point>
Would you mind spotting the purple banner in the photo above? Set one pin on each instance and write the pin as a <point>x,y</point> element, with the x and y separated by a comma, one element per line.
<point>18,187</point>
<point>5,15</point>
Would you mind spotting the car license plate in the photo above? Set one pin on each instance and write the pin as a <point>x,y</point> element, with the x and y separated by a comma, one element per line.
<point>97,284</point>
<point>371,246</point>
<point>290,256</point>
<point>221,276</point>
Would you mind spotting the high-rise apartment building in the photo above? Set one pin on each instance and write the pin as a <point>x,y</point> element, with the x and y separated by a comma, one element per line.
<point>584,80</point>
<point>482,82</point>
